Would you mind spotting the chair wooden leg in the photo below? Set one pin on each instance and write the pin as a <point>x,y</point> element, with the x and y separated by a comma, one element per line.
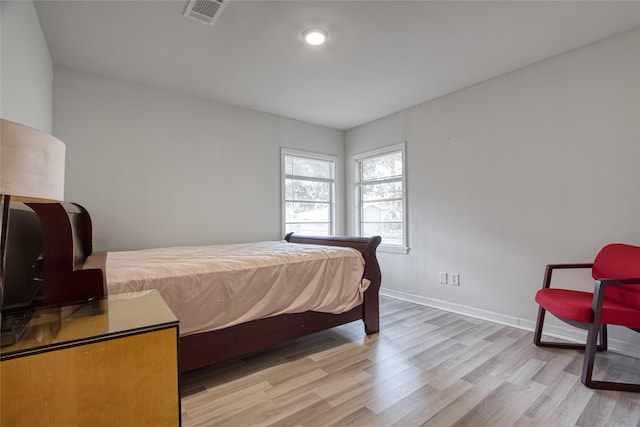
<point>589,359</point>
<point>604,341</point>
<point>537,336</point>
<point>589,356</point>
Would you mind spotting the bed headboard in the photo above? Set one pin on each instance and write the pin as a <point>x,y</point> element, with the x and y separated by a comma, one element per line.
<point>66,247</point>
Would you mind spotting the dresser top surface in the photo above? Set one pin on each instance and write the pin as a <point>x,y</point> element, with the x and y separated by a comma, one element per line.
<point>105,318</point>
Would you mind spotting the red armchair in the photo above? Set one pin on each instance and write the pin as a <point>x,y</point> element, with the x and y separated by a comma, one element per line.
<point>615,301</point>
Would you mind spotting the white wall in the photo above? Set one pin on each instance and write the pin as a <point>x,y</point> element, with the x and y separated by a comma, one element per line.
<point>26,69</point>
<point>537,166</point>
<point>533,167</point>
<point>157,168</point>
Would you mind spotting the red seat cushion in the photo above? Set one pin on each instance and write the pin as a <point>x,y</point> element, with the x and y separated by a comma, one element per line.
<point>576,306</point>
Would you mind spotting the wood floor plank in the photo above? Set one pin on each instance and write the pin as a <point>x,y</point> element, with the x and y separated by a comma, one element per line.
<point>425,367</point>
<point>597,411</point>
<point>523,375</point>
<point>625,411</point>
<point>424,403</point>
<point>502,407</point>
<point>554,366</point>
<point>397,388</point>
<point>219,407</point>
<point>296,383</point>
<point>551,408</point>
<point>450,414</point>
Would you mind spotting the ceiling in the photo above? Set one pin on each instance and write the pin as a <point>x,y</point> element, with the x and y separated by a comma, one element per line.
<point>382,56</point>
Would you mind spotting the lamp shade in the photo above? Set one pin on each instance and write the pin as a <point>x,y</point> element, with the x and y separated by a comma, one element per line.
<point>31,163</point>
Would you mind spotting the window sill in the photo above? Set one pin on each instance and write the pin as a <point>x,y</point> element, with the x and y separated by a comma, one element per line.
<point>393,249</point>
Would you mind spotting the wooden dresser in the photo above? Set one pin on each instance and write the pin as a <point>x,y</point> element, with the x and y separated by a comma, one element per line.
<point>112,361</point>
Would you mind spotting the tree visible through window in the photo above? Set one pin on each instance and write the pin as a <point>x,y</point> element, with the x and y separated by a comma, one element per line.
<point>309,182</point>
<point>380,195</point>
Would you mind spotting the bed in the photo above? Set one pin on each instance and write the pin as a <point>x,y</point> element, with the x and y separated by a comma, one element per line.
<point>67,233</point>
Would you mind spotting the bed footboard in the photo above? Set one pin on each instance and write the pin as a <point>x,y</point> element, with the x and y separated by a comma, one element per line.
<point>367,247</point>
<point>205,348</point>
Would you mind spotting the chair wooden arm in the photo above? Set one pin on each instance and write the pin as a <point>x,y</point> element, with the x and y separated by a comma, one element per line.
<point>598,293</point>
<point>607,282</point>
<point>546,283</point>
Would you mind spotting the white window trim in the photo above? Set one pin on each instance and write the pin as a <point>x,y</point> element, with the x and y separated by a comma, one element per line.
<point>397,249</point>
<point>311,155</point>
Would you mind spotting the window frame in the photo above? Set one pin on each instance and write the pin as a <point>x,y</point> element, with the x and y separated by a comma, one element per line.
<point>283,177</point>
<point>357,187</point>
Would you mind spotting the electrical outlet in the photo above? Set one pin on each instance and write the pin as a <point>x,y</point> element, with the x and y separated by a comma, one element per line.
<point>443,278</point>
<point>455,279</point>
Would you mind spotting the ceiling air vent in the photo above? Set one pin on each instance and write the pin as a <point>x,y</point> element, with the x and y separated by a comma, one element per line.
<point>205,11</point>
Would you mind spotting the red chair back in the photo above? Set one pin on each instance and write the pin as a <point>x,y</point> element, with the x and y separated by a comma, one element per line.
<point>619,261</point>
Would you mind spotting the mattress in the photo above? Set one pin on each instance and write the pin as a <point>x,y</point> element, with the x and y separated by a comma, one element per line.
<point>214,287</point>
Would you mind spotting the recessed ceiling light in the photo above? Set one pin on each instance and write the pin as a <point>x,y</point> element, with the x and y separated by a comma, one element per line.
<point>315,36</point>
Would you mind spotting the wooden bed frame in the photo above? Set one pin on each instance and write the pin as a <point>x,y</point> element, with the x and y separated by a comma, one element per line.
<point>70,275</point>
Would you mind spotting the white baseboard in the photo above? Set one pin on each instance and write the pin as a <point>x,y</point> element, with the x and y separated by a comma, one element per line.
<point>563,333</point>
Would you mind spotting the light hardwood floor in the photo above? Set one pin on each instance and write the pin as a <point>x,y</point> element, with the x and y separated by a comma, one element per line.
<point>425,367</point>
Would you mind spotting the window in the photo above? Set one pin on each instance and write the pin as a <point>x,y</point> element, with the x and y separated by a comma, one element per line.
<point>308,193</point>
<point>380,197</point>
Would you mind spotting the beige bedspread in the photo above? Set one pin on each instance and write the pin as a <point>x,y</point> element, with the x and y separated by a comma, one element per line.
<point>213,287</point>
